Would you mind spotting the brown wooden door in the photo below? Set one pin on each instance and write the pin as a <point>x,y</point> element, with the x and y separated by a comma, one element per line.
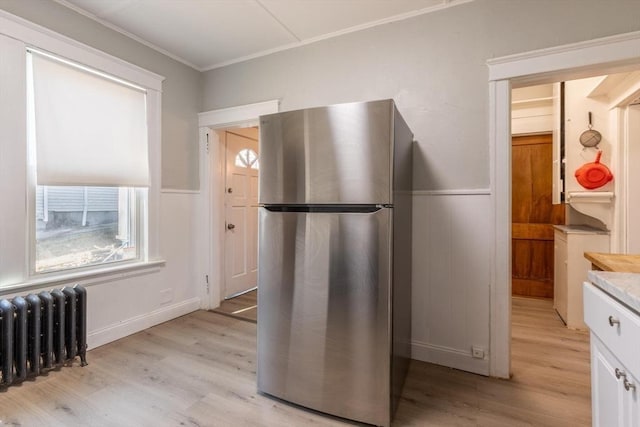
<point>533,216</point>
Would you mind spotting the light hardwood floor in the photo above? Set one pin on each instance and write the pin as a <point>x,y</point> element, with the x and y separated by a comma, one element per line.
<point>244,306</point>
<point>199,370</point>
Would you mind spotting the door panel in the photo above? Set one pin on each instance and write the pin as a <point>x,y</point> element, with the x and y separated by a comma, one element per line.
<point>533,216</point>
<point>237,253</point>
<point>324,292</point>
<point>252,243</point>
<point>607,389</point>
<point>239,187</point>
<point>241,200</point>
<point>253,187</point>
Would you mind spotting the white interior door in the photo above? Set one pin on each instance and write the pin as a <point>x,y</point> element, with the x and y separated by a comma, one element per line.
<point>241,210</point>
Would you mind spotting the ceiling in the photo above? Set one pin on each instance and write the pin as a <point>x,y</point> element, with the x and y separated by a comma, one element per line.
<point>207,34</point>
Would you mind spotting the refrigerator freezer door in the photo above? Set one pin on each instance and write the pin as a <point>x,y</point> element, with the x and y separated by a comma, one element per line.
<point>341,154</point>
<point>323,316</point>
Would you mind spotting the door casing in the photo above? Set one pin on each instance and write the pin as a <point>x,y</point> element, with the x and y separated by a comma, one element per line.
<point>211,219</point>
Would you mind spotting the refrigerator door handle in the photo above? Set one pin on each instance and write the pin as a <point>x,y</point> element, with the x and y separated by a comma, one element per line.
<point>326,208</point>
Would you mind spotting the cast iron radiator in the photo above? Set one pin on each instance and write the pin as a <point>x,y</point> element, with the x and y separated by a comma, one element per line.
<point>42,332</point>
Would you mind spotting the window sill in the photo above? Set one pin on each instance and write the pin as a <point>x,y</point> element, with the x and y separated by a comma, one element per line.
<point>87,278</point>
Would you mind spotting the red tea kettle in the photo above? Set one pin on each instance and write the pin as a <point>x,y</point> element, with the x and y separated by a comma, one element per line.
<point>593,175</point>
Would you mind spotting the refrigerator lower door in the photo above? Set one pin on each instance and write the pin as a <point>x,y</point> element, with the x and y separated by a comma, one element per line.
<point>323,312</point>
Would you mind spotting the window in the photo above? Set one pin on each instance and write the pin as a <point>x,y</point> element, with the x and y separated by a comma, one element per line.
<point>83,226</point>
<point>247,158</point>
<point>87,137</point>
<point>128,158</point>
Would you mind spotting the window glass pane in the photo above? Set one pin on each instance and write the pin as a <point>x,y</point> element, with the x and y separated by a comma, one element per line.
<point>247,158</point>
<point>251,156</point>
<point>84,226</point>
<point>240,161</point>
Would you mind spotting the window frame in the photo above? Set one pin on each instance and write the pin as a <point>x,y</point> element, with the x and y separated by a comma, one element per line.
<point>139,218</point>
<point>16,267</point>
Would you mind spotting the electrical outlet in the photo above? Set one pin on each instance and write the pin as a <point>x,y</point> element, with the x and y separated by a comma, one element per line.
<point>477,352</point>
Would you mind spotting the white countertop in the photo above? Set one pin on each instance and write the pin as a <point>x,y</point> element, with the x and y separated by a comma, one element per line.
<point>625,287</point>
<point>579,229</point>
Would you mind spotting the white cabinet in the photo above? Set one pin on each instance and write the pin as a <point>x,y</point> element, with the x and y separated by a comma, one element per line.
<point>560,274</point>
<point>615,360</point>
<point>570,269</point>
<point>613,389</point>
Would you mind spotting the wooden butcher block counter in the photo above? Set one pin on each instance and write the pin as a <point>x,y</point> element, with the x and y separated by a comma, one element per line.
<point>614,262</point>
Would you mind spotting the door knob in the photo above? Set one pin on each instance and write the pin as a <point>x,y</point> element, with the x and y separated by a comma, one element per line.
<point>229,190</point>
<point>230,226</point>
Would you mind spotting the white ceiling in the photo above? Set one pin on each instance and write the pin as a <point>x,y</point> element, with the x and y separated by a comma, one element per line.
<point>207,34</point>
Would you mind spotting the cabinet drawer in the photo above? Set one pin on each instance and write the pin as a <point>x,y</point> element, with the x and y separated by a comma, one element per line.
<point>617,327</point>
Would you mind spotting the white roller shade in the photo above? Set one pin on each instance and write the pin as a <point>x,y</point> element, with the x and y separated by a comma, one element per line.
<point>89,129</point>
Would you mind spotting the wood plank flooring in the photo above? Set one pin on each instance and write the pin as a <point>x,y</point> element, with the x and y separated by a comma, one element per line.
<point>244,307</point>
<point>199,370</point>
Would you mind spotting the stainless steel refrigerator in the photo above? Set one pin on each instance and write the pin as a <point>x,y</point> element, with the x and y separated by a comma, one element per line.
<point>334,272</point>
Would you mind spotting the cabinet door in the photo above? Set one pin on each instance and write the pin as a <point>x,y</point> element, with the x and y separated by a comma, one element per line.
<point>577,267</point>
<point>631,403</point>
<point>608,393</point>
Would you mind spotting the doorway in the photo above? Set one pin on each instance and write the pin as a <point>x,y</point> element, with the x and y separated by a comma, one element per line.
<point>241,210</point>
<point>584,59</point>
<point>536,147</point>
<point>213,193</point>
<point>533,246</point>
<point>241,167</point>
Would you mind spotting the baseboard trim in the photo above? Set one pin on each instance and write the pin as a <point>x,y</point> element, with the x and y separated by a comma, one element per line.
<point>450,357</point>
<point>139,323</point>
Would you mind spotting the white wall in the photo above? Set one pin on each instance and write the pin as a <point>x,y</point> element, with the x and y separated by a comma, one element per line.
<point>631,244</point>
<point>450,292</point>
<point>532,110</point>
<point>434,66</point>
<point>119,303</point>
<point>578,103</point>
